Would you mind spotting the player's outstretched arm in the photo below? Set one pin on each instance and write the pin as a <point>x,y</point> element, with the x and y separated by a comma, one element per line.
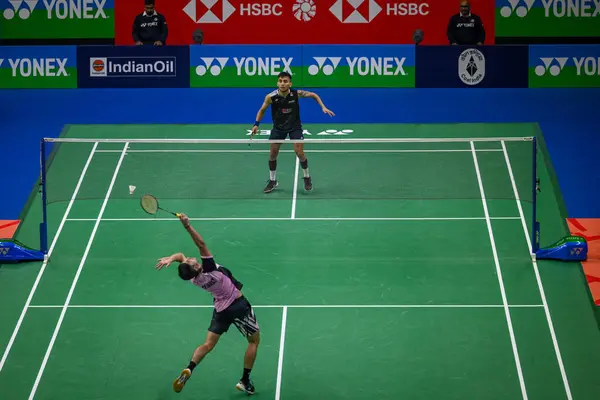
<point>312,95</point>
<point>204,252</point>
<point>261,113</point>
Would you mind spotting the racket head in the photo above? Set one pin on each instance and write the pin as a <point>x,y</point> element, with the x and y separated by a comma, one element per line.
<point>149,204</point>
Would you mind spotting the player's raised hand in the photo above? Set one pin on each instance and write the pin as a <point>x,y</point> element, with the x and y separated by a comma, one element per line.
<point>163,262</point>
<point>184,220</point>
<point>328,112</point>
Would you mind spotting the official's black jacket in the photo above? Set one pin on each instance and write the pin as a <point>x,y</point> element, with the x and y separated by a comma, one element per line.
<point>150,28</point>
<point>466,30</point>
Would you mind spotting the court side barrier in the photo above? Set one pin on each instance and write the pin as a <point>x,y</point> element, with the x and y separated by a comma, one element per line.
<point>312,66</point>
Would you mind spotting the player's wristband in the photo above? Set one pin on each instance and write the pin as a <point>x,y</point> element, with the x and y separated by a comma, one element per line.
<point>256,123</point>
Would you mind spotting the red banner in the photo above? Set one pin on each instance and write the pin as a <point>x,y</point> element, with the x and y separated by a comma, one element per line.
<point>303,21</point>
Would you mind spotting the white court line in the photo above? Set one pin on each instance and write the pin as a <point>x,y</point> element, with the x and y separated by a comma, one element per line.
<point>298,306</point>
<point>281,347</point>
<point>499,273</point>
<point>295,192</point>
<point>45,263</point>
<point>83,259</point>
<point>307,150</point>
<point>538,278</point>
<point>298,219</point>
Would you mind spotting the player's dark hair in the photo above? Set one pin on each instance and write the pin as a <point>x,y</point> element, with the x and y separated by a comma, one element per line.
<point>186,272</point>
<point>284,74</point>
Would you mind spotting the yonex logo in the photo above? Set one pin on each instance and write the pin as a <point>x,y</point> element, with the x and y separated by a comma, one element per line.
<point>215,69</point>
<point>24,13</point>
<point>327,69</point>
<point>304,10</point>
<point>363,66</point>
<point>60,9</point>
<point>213,8</point>
<point>4,250</point>
<point>519,10</point>
<point>556,8</point>
<point>586,66</point>
<point>547,66</point>
<point>27,67</point>
<point>364,11</point>
<point>328,132</point>
<point>247,66</point>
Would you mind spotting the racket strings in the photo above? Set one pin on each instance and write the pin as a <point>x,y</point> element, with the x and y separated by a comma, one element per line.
<point>149,204</point>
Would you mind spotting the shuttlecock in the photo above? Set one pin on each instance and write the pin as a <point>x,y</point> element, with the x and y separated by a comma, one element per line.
<point>131,189</point>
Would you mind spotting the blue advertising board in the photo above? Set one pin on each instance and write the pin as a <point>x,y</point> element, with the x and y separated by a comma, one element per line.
<point>472,66</point>
<point>133,67</point>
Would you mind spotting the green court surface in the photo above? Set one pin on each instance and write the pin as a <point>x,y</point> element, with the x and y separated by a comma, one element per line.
<point>405,274</point>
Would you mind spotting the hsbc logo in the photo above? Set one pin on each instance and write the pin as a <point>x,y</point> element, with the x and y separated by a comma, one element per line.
<point>214,9</point>
<point>355,11</point>
<point>365,11</point>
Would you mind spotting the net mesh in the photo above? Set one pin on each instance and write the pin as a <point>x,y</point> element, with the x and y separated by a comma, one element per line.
<point>415,169</point>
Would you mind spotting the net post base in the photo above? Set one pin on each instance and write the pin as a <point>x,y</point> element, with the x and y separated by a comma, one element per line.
<point>12,251</point>
<point>569,248</point>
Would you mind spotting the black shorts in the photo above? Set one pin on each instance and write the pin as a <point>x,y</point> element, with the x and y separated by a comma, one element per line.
<point>240,314</point>
<point>296,134</point>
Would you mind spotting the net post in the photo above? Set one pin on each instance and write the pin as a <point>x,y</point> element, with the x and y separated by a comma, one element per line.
<point>535,231</point>
<point>44,223</point>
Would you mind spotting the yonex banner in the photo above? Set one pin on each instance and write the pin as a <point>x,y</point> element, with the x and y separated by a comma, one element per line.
<point>472,66</point>
<point>141,66</point>
<point>243,66</point>
<point>57,19</point>
<point>553,18</point>
<point>38,67</point>
<point>359,66</point>
<point>564,66</point>
<point>303,21</point>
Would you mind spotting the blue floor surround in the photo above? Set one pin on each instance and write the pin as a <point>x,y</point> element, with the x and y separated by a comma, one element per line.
<point>568,118</point>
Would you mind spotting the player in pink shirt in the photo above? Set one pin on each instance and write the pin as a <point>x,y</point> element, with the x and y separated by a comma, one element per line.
<point>231,307</point>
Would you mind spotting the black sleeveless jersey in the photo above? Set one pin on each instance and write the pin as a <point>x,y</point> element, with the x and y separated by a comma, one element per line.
<point>285,111</point>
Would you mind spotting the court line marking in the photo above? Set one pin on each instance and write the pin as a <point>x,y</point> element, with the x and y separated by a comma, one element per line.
<point>45,263</point>
<point>538,277</point>
<point>308,150</point>
<point>281,347</point>
<point>298,306</point>
<point>300,219</point>
<point>499,274</point>
<point>76,279</point>
<point>295,192</point>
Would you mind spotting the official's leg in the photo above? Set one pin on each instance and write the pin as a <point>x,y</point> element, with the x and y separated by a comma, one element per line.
<point>199,354</point>
<point>299,149</point>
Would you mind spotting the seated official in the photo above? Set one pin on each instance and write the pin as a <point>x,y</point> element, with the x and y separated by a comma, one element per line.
<point>466,28</point>
<point>150,27</point>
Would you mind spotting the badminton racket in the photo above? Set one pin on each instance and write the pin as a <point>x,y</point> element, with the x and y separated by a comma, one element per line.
<point>149,204</point>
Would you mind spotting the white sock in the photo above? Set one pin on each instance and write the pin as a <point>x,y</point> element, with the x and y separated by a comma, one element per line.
<point>273,175</point>
<point>305,173</point>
